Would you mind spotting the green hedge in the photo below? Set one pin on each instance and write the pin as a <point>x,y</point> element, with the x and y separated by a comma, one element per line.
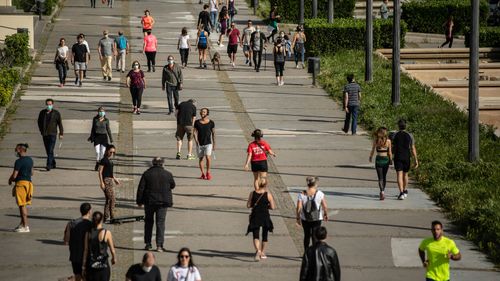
<point>27,5</point>
<point>488,37</point>
<point>9,77</point>
<point>347,34</point>
<point>17,48</point>
<point>468,192</point>
<point>289,9</point>
<point>428,16</point>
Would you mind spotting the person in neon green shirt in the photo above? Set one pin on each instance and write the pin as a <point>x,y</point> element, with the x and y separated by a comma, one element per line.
<point>435,253</point>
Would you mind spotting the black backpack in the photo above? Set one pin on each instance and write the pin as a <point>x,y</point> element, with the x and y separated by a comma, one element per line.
<point>310,209</point>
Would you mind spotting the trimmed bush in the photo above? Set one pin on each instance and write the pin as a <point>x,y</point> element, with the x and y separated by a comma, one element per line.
<point>428,16</point>
<point>289,9</point>
<point>347,34</point>
<point>17,48</point>
<point>9,77</point>
<point>488,37</point>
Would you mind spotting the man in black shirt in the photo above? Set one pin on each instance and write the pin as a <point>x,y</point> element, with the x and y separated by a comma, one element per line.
<point>204,18</point>
<point>145,271</point>
<point>403,148</point>
<point>186,114</point>
<point>74,236</point>
<point>79,58</point>
<point>49,120</point>
<point>204,135</point>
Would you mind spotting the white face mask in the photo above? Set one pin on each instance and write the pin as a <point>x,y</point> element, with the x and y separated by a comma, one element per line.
<point>136,66</point>
<point>147,268</point>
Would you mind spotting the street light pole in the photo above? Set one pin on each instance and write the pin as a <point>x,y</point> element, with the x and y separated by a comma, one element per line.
<point>396,75</point>
<point>255,6</point>
<point>369,42</point>
<point>330,11</point>
<point>315,9</point>
<point>474,85</point>
<point>301,12</point>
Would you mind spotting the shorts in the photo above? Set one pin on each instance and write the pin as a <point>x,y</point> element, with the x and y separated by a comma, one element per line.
<point>232,49</point>
<point>23,191</point>
<point>402,165</point>
<point>183,130</point>
<point>146,29</point>
<point>77,268</point>
<point>204,150</point>
<point>259,166</point>
<point>246,48</point>
<point>80,65</point>
<point>202,46</point>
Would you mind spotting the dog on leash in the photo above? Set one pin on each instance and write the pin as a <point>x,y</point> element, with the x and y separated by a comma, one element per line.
<point>216,60</point>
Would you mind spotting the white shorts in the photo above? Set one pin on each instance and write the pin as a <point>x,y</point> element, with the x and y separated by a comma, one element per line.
<point>204,150</point>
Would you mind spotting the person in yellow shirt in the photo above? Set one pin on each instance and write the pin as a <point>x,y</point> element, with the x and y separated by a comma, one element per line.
<point>435,253</point>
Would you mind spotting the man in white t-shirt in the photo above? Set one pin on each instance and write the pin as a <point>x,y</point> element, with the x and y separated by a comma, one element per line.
<point>245,42</point>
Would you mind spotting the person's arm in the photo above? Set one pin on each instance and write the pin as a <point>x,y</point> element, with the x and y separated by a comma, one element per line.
<point>247,162</point>
<point>108,130</point>
<point>195,135</point>
<point>13,176</point>
<point>374,143</point>
<point>269,150</point>
<point>249,201</point>
<point>389,152</point>
<point>359,96</point>
<point>414,153</point>
<point>87,56</point>
<point>99,50</point>
<point>139,198</point>
<point>92,132</point>
<point>179,43</point>
<point>325,209</point>
<point>101,179</point>
<point>72,56</point>
<point>127,48</point>
<point>424,261</point>
<point>213,139</point>
<point>60,125</point>
<point>111,247</point>
<point>180,76</point>
<point>67,234</point>
<point>298,210</point>
<point>270,198</point>
<point>304,37</point>
<point>85,252</point>
<point>128,81</point>
<point>293,40</point>
<point>143,81</point>
<point>346,100</point>
<point>172,182</point>
<point>163,79</point>
<point>56,57</point>
<point>41,120</point>
<point>455,257</point>
<point>115,48</point>
<point>144,46</point>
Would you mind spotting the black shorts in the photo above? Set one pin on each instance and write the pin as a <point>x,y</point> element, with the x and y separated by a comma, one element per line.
<point>402,165</point>
<point>232,49</point>
<point>145,30</point>
<point>77,268</point>
<point>202,46</point>
<point>259,166</point>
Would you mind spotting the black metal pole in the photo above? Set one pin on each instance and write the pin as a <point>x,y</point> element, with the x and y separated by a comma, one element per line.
<point>369,41</point>
<point>39,8</point>
<point>315,9</point>
<point>330,11</point>
<point>396,75</point>
<point>301,12</point>
<point>474,85</point>
<point>255,6</point>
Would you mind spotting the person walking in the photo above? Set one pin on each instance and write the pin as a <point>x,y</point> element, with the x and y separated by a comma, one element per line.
<point>231,9</point>
<point>23,186</point>
<point>298,46</point>
<point>108,181</point>
<point>122,48</point>
<point>202,45</point>
<point>155,194</point>
<point>383,145</point>
<point>144,271</point>
<point>149,48</point>
<point>74,237</point>
<point>49,121</point>
<point>186,115</point>
<point>384,9</point>
<point>352,101</point>
<point>436,252</point>
<point>403,145</point>
<point>106,50</point>
<point>233,36</point>
<point>279,61</point>
<point>99,134</point>
<point>79,58</point>
<point>320,261</point>
<point>204,136</point>
<point>136,82</point>
<point>184,269</point>
<point>245,42</point>
<point>172,82</point>
<point>261,202</point>
<point>204,19</point>
<point>257,156</point>
<point>184,47</point>
<point>95,255</point>
<point>92,3</point>
<point>257,45</point>
<point>448,32</point>
<point>61,61</point>
<point>147,22</point>
<point>311,210</point>
<point>273,19</point>
<point>88,51</point>
<point>214,10</point>
<point>223,19</point>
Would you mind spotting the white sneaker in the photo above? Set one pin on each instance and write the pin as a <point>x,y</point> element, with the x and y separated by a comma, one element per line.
<point>22,229</point>
<point>17,228</point>
<point>282,83</point>
<point>401,196</point>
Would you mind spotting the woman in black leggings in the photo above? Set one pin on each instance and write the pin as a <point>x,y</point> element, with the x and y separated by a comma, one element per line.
<point>383,145</point>
<point>136,83</point>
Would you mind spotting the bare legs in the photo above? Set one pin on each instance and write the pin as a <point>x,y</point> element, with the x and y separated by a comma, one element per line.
<point>23,212</point>
<point>257,177</point>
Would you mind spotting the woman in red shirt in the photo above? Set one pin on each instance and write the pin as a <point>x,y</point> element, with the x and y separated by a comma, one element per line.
<point>147,22</point>
<point>257,156</point>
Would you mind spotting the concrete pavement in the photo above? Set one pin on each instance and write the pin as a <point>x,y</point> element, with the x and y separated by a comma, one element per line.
<point>375,240</point>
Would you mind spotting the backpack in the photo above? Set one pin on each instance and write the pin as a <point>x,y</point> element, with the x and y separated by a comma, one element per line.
<point>310,209</point>
<point>122,42</point>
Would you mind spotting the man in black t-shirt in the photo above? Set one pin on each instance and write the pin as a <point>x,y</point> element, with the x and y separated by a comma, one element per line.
<point>186,114</point>
<point>74,236</point>
<point>403,148</point>
<point>79,58</point>
<point>204,18</point>
<point>145,271</point>
<point>204,135</point>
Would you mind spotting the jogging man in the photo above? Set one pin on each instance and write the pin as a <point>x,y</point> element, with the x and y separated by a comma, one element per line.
<point>122,48</point>
<point>79,58</point>
<point>106,50</point>
<point>436,252</point>
<point>49,120</point>
<point>232,46</point>
<point>257,45</point>
<point>403,145</point>
<point>186,115</point>
<point>74,236</point>
<point>352,100</point>
<point>245,42</point>
<point>204,135</point>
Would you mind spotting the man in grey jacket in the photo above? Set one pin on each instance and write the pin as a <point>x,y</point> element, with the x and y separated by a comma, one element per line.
<point>171,80</point>
<point>49,120</point>
<point>320,261</point>
<point>155,194</point>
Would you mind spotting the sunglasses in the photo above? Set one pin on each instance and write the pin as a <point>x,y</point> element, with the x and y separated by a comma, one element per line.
<point>184,257</point>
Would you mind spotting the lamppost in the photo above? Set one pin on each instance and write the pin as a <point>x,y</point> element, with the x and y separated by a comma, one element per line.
<point>396,75</point>
<point>369,41</point>
<point>474,85</point>
<point>330,11</point>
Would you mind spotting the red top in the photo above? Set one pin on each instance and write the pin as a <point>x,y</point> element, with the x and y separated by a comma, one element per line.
<point>257,153</point>
<point>233,37</point>
<point>136,78</point>
<point>151,43</point>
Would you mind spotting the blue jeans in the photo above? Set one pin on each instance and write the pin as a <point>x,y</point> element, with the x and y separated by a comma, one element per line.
<point>213,18</point>
<point>299,55</point>
<point>353,112</point>
<point>172,93</point>
<point>50,142</point>
<point>61,69</point>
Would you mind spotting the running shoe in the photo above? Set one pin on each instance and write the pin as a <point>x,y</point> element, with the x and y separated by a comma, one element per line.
<point>209,176</point>
<point>401,196</point>
<point>148,247</point>
<point>160,249</point>
<point>190,157</point>
<point>22,229</point>
<point>405,192</point>
<point>178,156</point>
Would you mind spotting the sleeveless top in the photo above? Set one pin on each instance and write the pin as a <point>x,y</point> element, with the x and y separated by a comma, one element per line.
<point>260,216</point>
<point>202,39</point>
<point>98,250</point>
<point>278,54</point>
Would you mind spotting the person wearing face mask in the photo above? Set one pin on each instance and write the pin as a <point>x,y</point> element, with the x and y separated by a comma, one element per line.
<point>257,45</point>
<point>145,271</point>
<point>171,80</point>
<point>49,120</point>
<point>99,134</point>
<point>23,188</point>
<point>184,269</point>
<point>106,50</point>
<point>108,181</point>
<point>136,83</point>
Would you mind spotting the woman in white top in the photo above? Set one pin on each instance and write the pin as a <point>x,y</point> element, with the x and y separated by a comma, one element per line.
<point>61,61</point>
<point>311,210</point>
<point>184,269</point>
<point>184,47</point>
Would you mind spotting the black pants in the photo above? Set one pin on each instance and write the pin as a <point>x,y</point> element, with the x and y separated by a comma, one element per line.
<point>158,214</point>
<point>309,228</point>
<point>50,142</point>
<point>279,67</point>
<point>257,59</point>
<point>92,3</point>
<point>98,274</point>
<point>172,93</point>
<point>184,56</point>
<point>382,175</point>
<point>136,96</point>
<point>265,231</point>
<point>151,57</point>
<point>448,40</point>
<point>61,69</point>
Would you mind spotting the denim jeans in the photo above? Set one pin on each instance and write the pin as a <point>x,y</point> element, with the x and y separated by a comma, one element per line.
<point>154,213</point>
<point>61,69</point>
<point>213,18</point>
<point>172,93</point>
<point>299,55</point>
<point>50,142</point>
<point>184,56</point>
<point>353,112</point>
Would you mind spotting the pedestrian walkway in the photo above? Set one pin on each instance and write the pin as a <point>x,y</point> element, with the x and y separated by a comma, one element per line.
<point>375,240</point>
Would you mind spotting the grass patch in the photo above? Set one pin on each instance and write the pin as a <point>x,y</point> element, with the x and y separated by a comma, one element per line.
<point>469,193</point>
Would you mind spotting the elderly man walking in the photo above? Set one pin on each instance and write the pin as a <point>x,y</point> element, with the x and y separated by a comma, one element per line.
<point>155,194</point>
<point>106,49</point>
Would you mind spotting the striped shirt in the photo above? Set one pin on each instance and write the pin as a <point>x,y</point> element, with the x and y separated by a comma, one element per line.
<point>352,89</point>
